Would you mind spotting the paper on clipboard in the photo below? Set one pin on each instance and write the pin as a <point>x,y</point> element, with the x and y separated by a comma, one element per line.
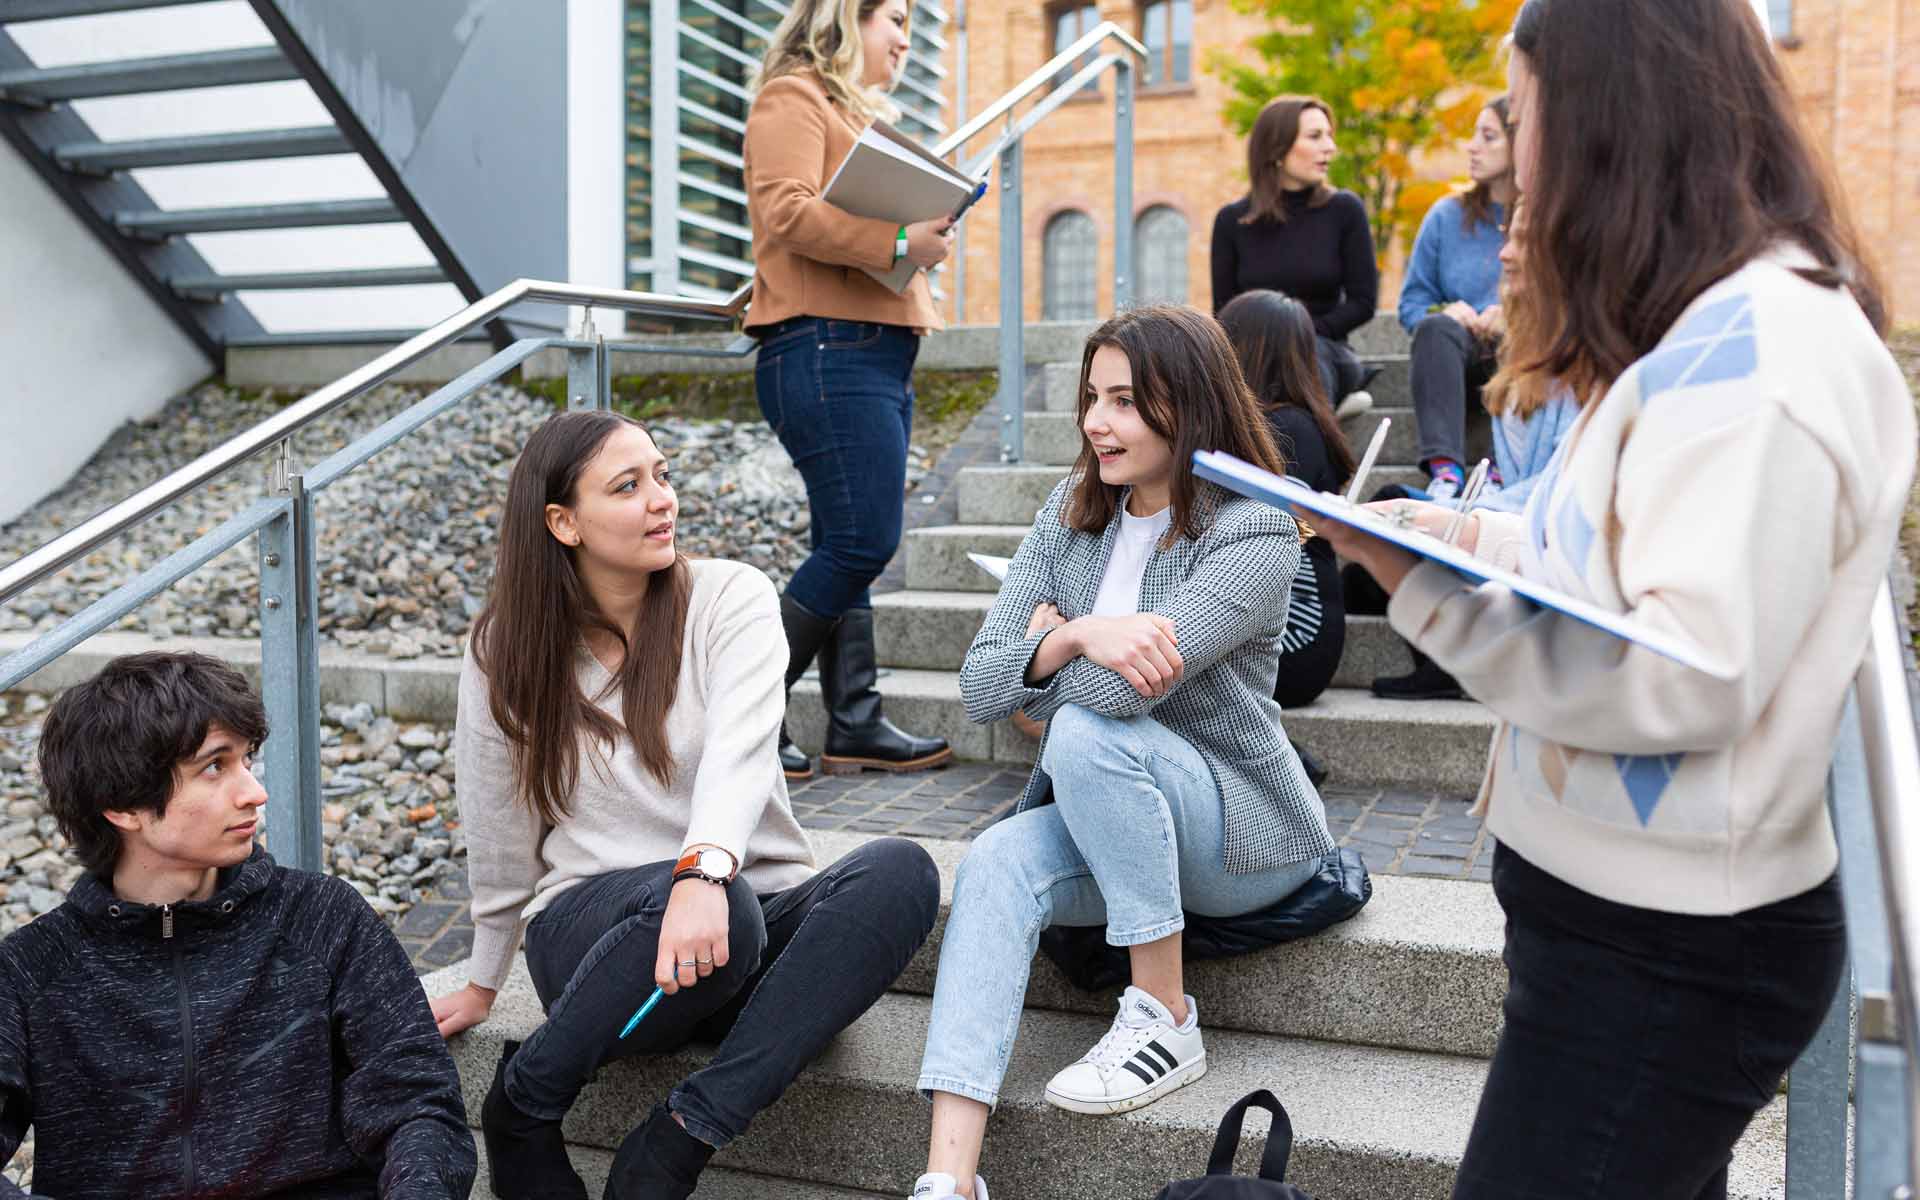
<point>991,564</point>
<point>888,176</point>
<point>1282,492</point>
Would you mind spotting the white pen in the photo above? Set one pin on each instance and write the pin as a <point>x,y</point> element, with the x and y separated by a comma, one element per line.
<point>1366,461</point>
<point>1476,483</point>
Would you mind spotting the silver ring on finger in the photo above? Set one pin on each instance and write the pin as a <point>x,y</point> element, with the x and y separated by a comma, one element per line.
<point>689,962</point>
<point>705,962</point>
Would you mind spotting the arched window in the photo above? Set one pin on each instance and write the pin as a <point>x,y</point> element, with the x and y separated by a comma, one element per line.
<point>1070,262</point>
<point>1160,256</point>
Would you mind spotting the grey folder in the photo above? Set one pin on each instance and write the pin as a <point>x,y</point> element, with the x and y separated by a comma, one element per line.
<point>889,177</point>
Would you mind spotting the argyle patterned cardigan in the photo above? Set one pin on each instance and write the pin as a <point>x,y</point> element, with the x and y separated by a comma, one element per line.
<point>1226,594</point>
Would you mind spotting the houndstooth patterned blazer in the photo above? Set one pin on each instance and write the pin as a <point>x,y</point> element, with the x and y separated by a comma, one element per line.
<point>1227,597</point>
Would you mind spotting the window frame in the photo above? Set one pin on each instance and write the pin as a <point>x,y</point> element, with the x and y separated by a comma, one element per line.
<point>1052,285</point>
<point>1181,260</point>
<point>1088,14</point>
<point>1142,10</point>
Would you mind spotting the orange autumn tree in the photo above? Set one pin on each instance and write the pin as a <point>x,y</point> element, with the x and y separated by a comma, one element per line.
<point>1402,77</point>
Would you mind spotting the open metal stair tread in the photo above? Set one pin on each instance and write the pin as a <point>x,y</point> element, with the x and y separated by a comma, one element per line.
<point>41,10</point>
<point>1368,1122</point>
<point>288,280</point>
<point>138,76</point>
<point>252,146</point>
<point>164,222</point>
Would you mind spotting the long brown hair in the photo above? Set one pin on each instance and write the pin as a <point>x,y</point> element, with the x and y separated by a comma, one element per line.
<point>1511,390</point>
<point>1188,389</point>
<point>1275,131</point>
<point>1670,155</point>
<point>527,638</point>
<point>1476,206</point>
<point>1273,336</point>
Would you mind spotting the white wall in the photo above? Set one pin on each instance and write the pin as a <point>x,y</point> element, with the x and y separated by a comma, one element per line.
<point>596,152</point>
<point>85,349</point>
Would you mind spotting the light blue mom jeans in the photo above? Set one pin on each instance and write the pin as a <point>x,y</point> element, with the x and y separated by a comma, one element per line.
<point>1135,835</point>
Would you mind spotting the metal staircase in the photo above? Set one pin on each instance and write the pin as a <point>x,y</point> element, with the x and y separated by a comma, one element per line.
<point>223,270</point>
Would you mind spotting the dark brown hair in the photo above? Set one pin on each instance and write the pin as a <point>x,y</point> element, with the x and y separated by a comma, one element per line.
<point>115,742</point>
<point>1275,131</point>
<point>1476,206</point>
<point>1274,338</point>
<point>527,638</point>
<point>1670,155</point>
<point>1512,390</point>
<point>1188,389</point>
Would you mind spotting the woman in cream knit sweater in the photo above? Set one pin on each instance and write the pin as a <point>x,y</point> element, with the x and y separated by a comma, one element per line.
<point>625,810</point>
<point>1735,479</point>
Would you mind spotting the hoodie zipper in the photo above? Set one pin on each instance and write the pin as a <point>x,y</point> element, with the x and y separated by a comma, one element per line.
<point>186,1037</point>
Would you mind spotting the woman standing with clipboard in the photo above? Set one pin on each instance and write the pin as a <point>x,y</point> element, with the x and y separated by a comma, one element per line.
<point>1735,479</point>
<point>835,371</point>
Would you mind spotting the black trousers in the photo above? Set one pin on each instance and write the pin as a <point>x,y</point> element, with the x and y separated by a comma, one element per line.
<point>802,965</point>
<point>1449,367</point>
<point>1638,1044</point>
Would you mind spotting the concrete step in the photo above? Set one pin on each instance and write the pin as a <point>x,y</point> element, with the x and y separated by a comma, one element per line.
<point>1011,495</point>
<point>1368,1122</point>
<point>1050,437</point>
<point>933,629</point>
<point>716,1183</point>
<point>1403,440</point>
<point>937,555</point>
<point>1418,968</point>
<point>1425,745</point>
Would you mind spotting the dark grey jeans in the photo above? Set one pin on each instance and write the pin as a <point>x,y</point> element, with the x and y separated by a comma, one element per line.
<point>1340,368</point>
<point>1448,364</point>
<point>802,965</point>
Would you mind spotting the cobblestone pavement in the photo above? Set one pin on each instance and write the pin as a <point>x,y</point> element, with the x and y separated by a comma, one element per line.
<point>1397,833</point>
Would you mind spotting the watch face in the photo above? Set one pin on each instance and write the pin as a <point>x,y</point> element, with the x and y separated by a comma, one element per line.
<point>717,863</point>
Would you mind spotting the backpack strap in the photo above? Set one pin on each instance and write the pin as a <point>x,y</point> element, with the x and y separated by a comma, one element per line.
<point>1273,1163</point>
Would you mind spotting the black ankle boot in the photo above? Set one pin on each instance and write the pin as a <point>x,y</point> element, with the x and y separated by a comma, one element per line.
<point>526,1157</point>
<point>657,1161</point>
<point>858,733</point>
<point>1427,681</point>
<point>805,635</point>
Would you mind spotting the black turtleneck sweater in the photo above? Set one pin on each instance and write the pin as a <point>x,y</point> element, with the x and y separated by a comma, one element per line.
<point>1322,257</point>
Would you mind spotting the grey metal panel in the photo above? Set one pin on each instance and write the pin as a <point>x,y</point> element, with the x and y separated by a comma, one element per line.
<point>202,148</point>
<point>162,223</point>
<point>484,165</point>
<point>136,76</point>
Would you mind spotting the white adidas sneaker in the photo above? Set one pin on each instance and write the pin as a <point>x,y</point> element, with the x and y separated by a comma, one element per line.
<point>936,1184</point>
<point>1142,1058</point>
<point>1352,405</point>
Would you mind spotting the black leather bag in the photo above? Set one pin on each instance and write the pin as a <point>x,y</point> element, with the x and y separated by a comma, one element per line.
<point>1340,889</point>
<point>1220,1183</point>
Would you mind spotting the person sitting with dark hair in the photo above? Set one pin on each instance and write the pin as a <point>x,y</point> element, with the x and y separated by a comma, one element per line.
<point>195,1020</point>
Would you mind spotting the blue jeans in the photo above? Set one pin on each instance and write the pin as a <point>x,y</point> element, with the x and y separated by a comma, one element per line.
<point>839,394</point>
<point>1134,839</point>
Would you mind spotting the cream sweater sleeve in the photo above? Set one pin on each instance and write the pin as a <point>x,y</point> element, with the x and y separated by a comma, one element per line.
<point>745,661</point>
<point>1726,538</point>
<point>503,837</point>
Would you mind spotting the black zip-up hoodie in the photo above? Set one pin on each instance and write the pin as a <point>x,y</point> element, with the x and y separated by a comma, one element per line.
<point>271,1040</point>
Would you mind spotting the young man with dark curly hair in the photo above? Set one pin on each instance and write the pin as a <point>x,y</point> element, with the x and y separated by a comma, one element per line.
<point>195,1020</point>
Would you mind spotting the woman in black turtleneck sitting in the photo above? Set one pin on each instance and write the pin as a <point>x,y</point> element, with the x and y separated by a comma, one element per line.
<point>1294,234</point>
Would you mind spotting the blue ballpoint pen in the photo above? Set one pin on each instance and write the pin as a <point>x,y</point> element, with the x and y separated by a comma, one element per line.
<point>643,1010</point>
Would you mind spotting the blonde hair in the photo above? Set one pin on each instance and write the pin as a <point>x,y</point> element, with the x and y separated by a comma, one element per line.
<point>823,36</point>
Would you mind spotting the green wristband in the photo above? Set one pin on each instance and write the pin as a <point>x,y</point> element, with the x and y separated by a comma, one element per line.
<point>900,244</point>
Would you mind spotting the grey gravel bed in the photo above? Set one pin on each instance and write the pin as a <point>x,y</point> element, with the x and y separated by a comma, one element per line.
<point>406,543</point>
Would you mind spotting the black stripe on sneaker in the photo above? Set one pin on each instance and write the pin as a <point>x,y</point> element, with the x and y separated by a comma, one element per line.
<point>1157,1048</point>
<point>1145,1078</point>
<point>1150,1063</point>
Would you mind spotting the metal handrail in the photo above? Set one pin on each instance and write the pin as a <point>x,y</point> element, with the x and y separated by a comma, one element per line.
<point>1051,70</point>
<point>110,523</point>
<point>1892,752</point>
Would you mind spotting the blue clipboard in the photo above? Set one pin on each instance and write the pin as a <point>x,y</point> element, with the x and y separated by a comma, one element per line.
<point>1280,491</point>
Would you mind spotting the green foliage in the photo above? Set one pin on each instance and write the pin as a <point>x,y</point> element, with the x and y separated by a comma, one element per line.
<point>939,396</point>
<point>1402,77</point>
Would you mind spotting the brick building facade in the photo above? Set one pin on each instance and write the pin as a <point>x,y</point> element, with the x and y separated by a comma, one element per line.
<point>1855,65</point>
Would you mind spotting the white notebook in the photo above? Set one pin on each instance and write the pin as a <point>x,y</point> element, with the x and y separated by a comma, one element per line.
<point>887,176</point>
<point>1282,492</point>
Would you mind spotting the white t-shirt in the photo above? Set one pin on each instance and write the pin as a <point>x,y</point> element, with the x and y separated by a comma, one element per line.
<point>1120,587</point>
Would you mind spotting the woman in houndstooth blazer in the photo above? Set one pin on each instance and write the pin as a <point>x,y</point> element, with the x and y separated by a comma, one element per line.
<point>1141,618</point>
